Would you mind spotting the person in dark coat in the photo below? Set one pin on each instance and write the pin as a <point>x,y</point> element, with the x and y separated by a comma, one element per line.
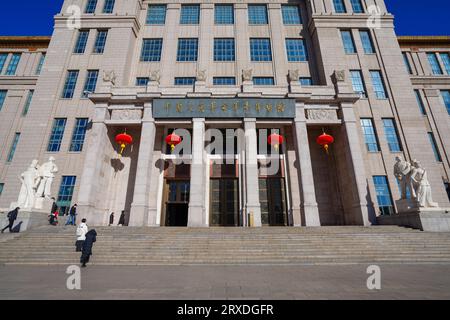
<point>86,252</point>
<point>12,216</point>
<point>54,206</point>
<point>72,215</point>
<point>122,219</point>
<point>111,219</point>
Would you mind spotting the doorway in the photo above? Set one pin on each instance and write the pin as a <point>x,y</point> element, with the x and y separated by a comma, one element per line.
<point>272,197</point>
<point>224,202</point>
<point>177,203</point>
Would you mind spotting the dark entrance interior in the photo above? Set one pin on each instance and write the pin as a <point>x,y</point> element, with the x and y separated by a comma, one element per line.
<point>177,204</point>
<point>224,202</point>
<point>272,196</point>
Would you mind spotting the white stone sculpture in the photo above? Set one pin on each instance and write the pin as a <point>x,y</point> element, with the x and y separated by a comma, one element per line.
<point>47,174</point>
<point>247,74</point>
<point>294,75</point>
<point>155,76</point>
<point>422,186</point>
<point>338,76</point>
<point>201,76</point>
<point>109,77</point>
<point>402,171</point>
<point>30,179</point>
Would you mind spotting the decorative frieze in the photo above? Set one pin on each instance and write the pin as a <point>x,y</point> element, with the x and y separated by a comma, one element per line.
<point>126,114</point>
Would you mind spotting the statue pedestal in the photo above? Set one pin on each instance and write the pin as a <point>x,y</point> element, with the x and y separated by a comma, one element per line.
<point>412,216</point>
<point>29,219</point>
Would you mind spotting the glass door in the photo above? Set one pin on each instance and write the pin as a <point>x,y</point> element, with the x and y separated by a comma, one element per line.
<point>224,202</point>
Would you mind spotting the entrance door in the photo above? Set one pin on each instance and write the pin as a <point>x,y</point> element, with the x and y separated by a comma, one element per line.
<point>177,204</point>
<point>224,202</point>
<point>272,197</point>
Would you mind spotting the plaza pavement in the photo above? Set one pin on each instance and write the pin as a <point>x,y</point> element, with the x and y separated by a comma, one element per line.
<point>226,282</point>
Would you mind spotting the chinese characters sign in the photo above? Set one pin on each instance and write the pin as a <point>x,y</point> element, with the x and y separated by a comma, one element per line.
<point>224,108</point>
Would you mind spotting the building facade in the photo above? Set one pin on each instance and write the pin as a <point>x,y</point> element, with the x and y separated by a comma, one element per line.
<point>234,72</point>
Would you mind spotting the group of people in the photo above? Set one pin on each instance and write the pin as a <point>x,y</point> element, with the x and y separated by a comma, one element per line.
<point>85,241</point>
<point>54,214</point>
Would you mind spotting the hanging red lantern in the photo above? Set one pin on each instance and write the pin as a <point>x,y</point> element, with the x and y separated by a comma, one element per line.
<point>123,139</point>
<point>325,140</point>
<point>173,140</point>
<point>275,140</point>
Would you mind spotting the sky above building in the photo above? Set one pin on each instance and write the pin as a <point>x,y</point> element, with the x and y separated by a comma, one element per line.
<point>413,17</point>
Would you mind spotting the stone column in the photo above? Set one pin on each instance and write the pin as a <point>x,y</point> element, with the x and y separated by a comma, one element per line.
<point>90,191</point>
<point>140,206</point>
<point>309,202</point>
<point>196,215</point>
<point>355,163</point>
<point>253,205</point>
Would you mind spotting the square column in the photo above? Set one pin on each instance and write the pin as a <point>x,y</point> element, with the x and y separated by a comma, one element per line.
<point>140,210</point>
<point>253,205</point>
<point>197,210</point>
<point>308,192</point>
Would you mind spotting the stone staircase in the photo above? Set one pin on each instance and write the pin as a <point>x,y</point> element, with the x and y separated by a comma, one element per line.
<point>230,246</point>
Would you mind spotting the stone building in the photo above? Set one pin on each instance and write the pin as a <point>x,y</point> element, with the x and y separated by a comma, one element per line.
<point>294,68</point>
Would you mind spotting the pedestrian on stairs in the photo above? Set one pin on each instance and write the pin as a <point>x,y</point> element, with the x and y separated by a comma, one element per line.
<point>12,216</point>
<point>111,219</point>
<point>86,252</point>
<point>72,215</point>
<point>82,229</point>
<point>122,219</point>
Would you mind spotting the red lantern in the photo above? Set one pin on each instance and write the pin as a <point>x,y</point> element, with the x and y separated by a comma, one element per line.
<point>275,140</point>
<point>173,140</point>
<point>325,140</point>
<point>123,139</point>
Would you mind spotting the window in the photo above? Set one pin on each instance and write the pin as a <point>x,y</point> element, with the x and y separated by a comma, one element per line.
<point>69,86</point>
<point>420,102</point>
<point>437,155</point>
<point>445,57</point>
<point>56,136</point>
<point>224,81</point>
<point>291,14</point>
<point>13,148</point>
<point>370,137</point>
<point>3,57</point>
<point>357,6</point>
<point>366,41</point>
<point>190,14</point>
<point>80,46</point>
<point>142,82</point>
<point>2,186</point>
<point>407,64</point>
<point>347,39</point>
<point>358,83</point>
<point>156,14</point>
<point>305,81</point>
<point>100,42</point>
<point>27,103</point>
<point>223,14</point>
<point>390,130</point>
<point>79,133</point>
<point>187,49</point>
<point>184,81</point>
<point>12,67</point>
<point>151,50</point>
<point>224,49</point>
<point>296,50</point>
<point>109,6</point>
<point>260,49</point>
<point>384,197</point>
<point>3,94</point>
<point>90,6</point>
<point>41,63</point>
<point>65,193</point>
<point>257,14</point>
<point>263,81</point>
<point>445,96</point>
<point>434,63</point>
<point>446,184</point>
<point>339,6</point>
<point>90,84</point>
<point>378,84</point>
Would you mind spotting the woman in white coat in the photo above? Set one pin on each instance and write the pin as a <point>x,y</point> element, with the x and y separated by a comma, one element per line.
<point>82,229</point>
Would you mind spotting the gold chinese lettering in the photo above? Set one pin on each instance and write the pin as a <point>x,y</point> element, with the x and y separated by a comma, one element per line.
<point>179,107</point>
<point>280,107</point>
<point>269,107</point>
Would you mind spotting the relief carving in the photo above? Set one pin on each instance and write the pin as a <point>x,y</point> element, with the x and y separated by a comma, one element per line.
<point>321,114</point>
<point>126,114</point>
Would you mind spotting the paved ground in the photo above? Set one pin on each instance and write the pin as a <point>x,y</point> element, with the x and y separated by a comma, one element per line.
<point>227,282</point>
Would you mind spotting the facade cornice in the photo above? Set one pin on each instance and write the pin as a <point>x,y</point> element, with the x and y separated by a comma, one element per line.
<point>424,41</point>
<point>31,43</point>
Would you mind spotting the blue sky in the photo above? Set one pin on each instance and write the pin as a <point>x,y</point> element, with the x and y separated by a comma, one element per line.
<point>413,17</point>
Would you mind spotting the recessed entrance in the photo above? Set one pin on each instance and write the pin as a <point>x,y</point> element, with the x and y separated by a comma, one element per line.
<point>177,204</point>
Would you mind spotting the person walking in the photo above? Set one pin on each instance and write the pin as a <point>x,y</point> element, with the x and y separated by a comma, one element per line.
<point>122,219</point>
<point>54,206</point>
<point>82,230</point>
<point>86,251</point>
<point>12,216</point>
<point>72,215</point>
<point>111,219</point>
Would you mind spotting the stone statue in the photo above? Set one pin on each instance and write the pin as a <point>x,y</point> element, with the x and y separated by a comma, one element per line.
<point>338,76</point>
<point>30,179</point>
<point>47,174</point>
<point>294,75</point>
<point>247,74</point>
<point>402,171</point>
<point>155,76</point>
<point>422,186</point>
<point>201,75</point>
<point>109,77</point>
